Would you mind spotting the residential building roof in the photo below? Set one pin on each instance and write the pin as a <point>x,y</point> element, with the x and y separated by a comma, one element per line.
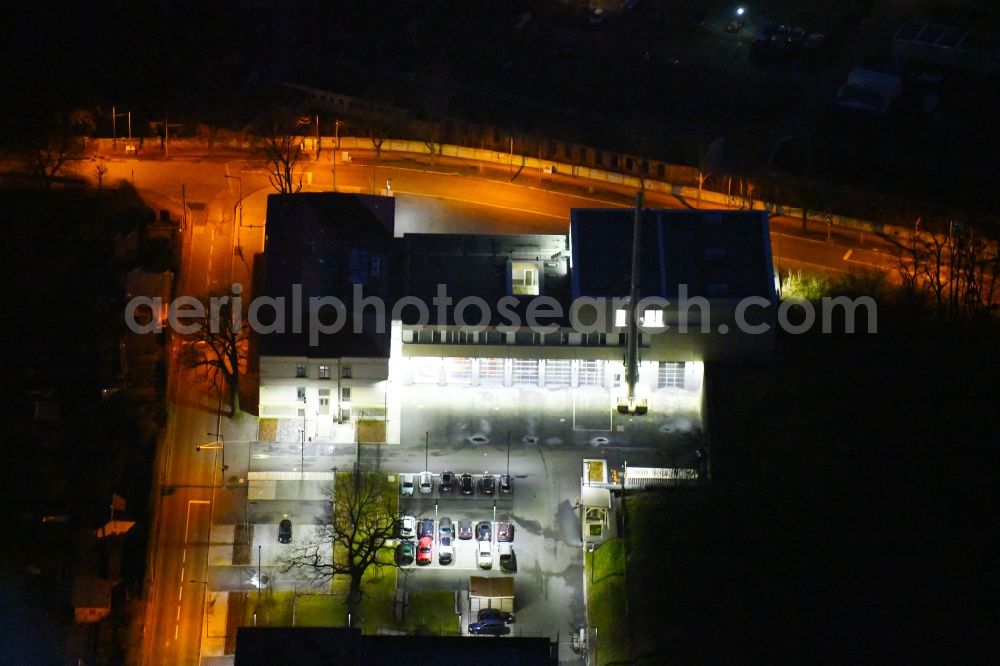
<point>326,243</point>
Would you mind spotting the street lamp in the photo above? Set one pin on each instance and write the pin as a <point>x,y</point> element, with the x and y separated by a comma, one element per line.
<point>218,444</point>
<point>239,202</point>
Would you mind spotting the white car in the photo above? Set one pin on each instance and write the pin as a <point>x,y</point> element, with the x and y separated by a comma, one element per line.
<point>446,551</point>
<point>407,527</point>
<point>405,484</point>
<point>485,555</point>
<point>426,483</point>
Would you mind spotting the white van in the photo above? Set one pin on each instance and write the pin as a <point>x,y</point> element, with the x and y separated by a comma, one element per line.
<point>405,484</point>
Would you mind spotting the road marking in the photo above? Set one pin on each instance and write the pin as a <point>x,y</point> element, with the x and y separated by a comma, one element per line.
<point>187,519</point>
<point>180,594</point>
<point>176,629</point>
<point>848,255</point>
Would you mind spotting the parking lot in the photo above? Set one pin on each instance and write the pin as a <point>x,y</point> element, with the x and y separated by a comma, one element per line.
<point>475,508</point>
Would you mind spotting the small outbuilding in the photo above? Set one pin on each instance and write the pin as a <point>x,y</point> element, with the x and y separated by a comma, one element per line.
<point>491,593</point>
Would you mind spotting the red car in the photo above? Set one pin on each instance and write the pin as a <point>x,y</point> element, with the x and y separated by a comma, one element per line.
<point>424,550</point>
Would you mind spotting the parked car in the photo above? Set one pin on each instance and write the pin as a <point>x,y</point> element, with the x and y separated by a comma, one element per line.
<point>467,486</point>
<point>446,484</point>
<point>505,531</point>
<point>405,484</point>
<point>406,527</point>
<point>496,613</point>
<point>426,483</point>
<point>285,531</point>
<point>484,555</point>
<point>484,531</point>
<point>445,528</point>
<point>489,484</point>
<point>508,562</point>
<point>424,554</point>
<point>597,16</point>
<point>446,551</point>
<point>465,529</point>
<point>736,25</point>
<point>506,484</point>
<point>405,551</point>
<point>491,626</point>
<point>425,529</point>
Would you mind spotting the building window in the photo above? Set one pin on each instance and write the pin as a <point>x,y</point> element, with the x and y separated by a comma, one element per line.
<point>300,370</point>
<point>598,158</point>
<point>621,318</point>
<point>301,390</point>
<point>652,318</point>
<point>524,278</point>
<point>671,375</point>
<point>324,372</point>
<point>345,371</point>
<point>345,394</point>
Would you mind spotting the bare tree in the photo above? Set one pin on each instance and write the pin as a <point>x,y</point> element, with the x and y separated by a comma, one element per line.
<point>277,146</point>
<point>362,522</point>
<point>100,169</point>
<point>218,345</point>
<point>958,270</point>
<point>47,158</point>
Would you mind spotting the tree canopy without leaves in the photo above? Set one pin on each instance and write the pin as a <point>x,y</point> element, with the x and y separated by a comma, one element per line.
<point>277,147</point>
<point>218,345</point>
<point>363,520</point>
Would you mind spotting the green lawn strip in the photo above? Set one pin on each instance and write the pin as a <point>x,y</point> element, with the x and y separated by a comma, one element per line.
<point>606,601</point>
<point>320,610</point>
<point>432,612</point>
<point>273,608</point>
<point>379,586</point>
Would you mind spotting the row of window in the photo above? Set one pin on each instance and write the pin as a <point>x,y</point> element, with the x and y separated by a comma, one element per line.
<point>429,336</point>
<point>301,371</point>
<point>324,395</point>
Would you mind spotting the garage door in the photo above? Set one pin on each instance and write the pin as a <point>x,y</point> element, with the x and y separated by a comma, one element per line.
<point>426,370</point>
<point>491,371</point>
<point>591,373</point>
<point>558,373</point>
<point>458,371</point>
<point>671,375</point>
<point>525,371</point>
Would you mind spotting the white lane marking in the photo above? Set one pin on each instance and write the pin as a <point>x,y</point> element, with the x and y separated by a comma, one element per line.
<point>180,593</point>
<point>847,255</point>
<point>178,613</point>
<point>176,629</point>
<point>187,519</point>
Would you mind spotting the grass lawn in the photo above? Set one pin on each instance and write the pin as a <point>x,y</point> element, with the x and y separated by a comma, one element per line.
<point>605,569</point>
<point>320,610</point>
<point>432,612</point>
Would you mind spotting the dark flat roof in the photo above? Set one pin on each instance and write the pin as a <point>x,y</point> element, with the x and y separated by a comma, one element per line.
<point>717,254</point>
<point>327,242</point>
<point>477,265</point>
<point>276,646</point>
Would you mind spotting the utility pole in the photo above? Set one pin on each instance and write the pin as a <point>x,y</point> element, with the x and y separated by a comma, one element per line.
<point>427,439</point>
<point>508,453</point>
<point>114,126</point>
<point>166,135</point>
<point>317,137</point>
